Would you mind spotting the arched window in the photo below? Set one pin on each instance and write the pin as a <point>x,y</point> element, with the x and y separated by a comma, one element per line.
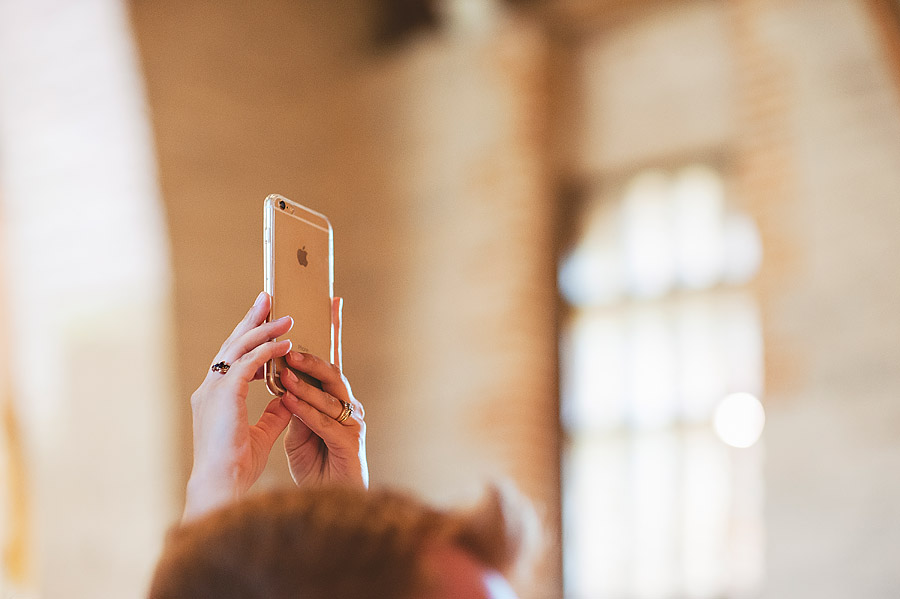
<point>661,361</point>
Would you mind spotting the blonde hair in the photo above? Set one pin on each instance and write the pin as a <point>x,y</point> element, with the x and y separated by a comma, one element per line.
<point>332,542</point>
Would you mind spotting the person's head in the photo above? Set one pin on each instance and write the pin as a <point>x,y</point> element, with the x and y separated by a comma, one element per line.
<point>342,543</point>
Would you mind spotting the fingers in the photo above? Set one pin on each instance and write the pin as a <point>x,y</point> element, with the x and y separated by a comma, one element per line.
<point>246,366</point>
<point>323,425</point>
<point>319,369</point>
<point>324,402</point>
<point>333,381</point>
<point>337,310</point>
<point>317,406</point>
<point>254,317</point>
<point>256,337</point>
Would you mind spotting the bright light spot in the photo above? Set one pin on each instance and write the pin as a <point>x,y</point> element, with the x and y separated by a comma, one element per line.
<point>698,199</point>
<point>648,235</point>
<point>743,248</point>
<point>739,420</point>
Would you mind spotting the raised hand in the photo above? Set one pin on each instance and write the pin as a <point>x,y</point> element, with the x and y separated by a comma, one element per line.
<point>319,448</point>
<point>230,454</point>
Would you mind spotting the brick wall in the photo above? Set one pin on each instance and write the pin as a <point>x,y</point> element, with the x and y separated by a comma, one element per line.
<point>820,157</point>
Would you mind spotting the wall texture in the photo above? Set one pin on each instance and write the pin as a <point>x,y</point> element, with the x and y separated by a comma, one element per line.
<point>822,163</point>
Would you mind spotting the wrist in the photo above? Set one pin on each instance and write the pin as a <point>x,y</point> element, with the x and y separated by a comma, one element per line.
<point>205,493</point>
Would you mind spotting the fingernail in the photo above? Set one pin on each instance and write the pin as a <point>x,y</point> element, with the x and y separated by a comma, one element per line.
<point>283,318</point>
<point>290,374</point>
<point>259,298</point>
<point>297,356</point>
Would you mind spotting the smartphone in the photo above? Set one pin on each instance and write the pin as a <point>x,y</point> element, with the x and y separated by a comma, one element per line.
<point>298,250</point>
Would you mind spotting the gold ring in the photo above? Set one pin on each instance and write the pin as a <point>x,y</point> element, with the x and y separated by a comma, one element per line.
<point>221,367</point>
<point>345,412</point>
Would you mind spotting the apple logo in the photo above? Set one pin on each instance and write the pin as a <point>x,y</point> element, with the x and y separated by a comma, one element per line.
<point>301,256</point>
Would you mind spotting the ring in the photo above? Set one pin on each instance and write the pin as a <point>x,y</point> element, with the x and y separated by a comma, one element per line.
<point>221,367</point>
<point>345,413</point>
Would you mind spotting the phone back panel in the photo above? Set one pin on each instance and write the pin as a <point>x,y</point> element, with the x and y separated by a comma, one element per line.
<point>299,276</point>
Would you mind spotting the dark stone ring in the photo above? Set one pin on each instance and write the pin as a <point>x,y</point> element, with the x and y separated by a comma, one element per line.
<point>221,367</point>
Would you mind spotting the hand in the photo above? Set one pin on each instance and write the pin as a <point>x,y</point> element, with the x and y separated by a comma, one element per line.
<point>319,448</point>
<point>229,454</point>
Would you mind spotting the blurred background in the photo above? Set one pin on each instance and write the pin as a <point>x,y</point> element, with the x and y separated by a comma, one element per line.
<point>633,255</point>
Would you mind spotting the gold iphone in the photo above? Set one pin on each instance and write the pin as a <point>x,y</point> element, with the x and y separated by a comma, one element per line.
<point>299,275</point>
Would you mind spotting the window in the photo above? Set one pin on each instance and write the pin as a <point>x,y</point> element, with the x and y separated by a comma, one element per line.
<point>661,361</point>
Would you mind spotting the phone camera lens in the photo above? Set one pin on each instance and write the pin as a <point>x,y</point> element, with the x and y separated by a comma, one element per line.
<point>281,204</point>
